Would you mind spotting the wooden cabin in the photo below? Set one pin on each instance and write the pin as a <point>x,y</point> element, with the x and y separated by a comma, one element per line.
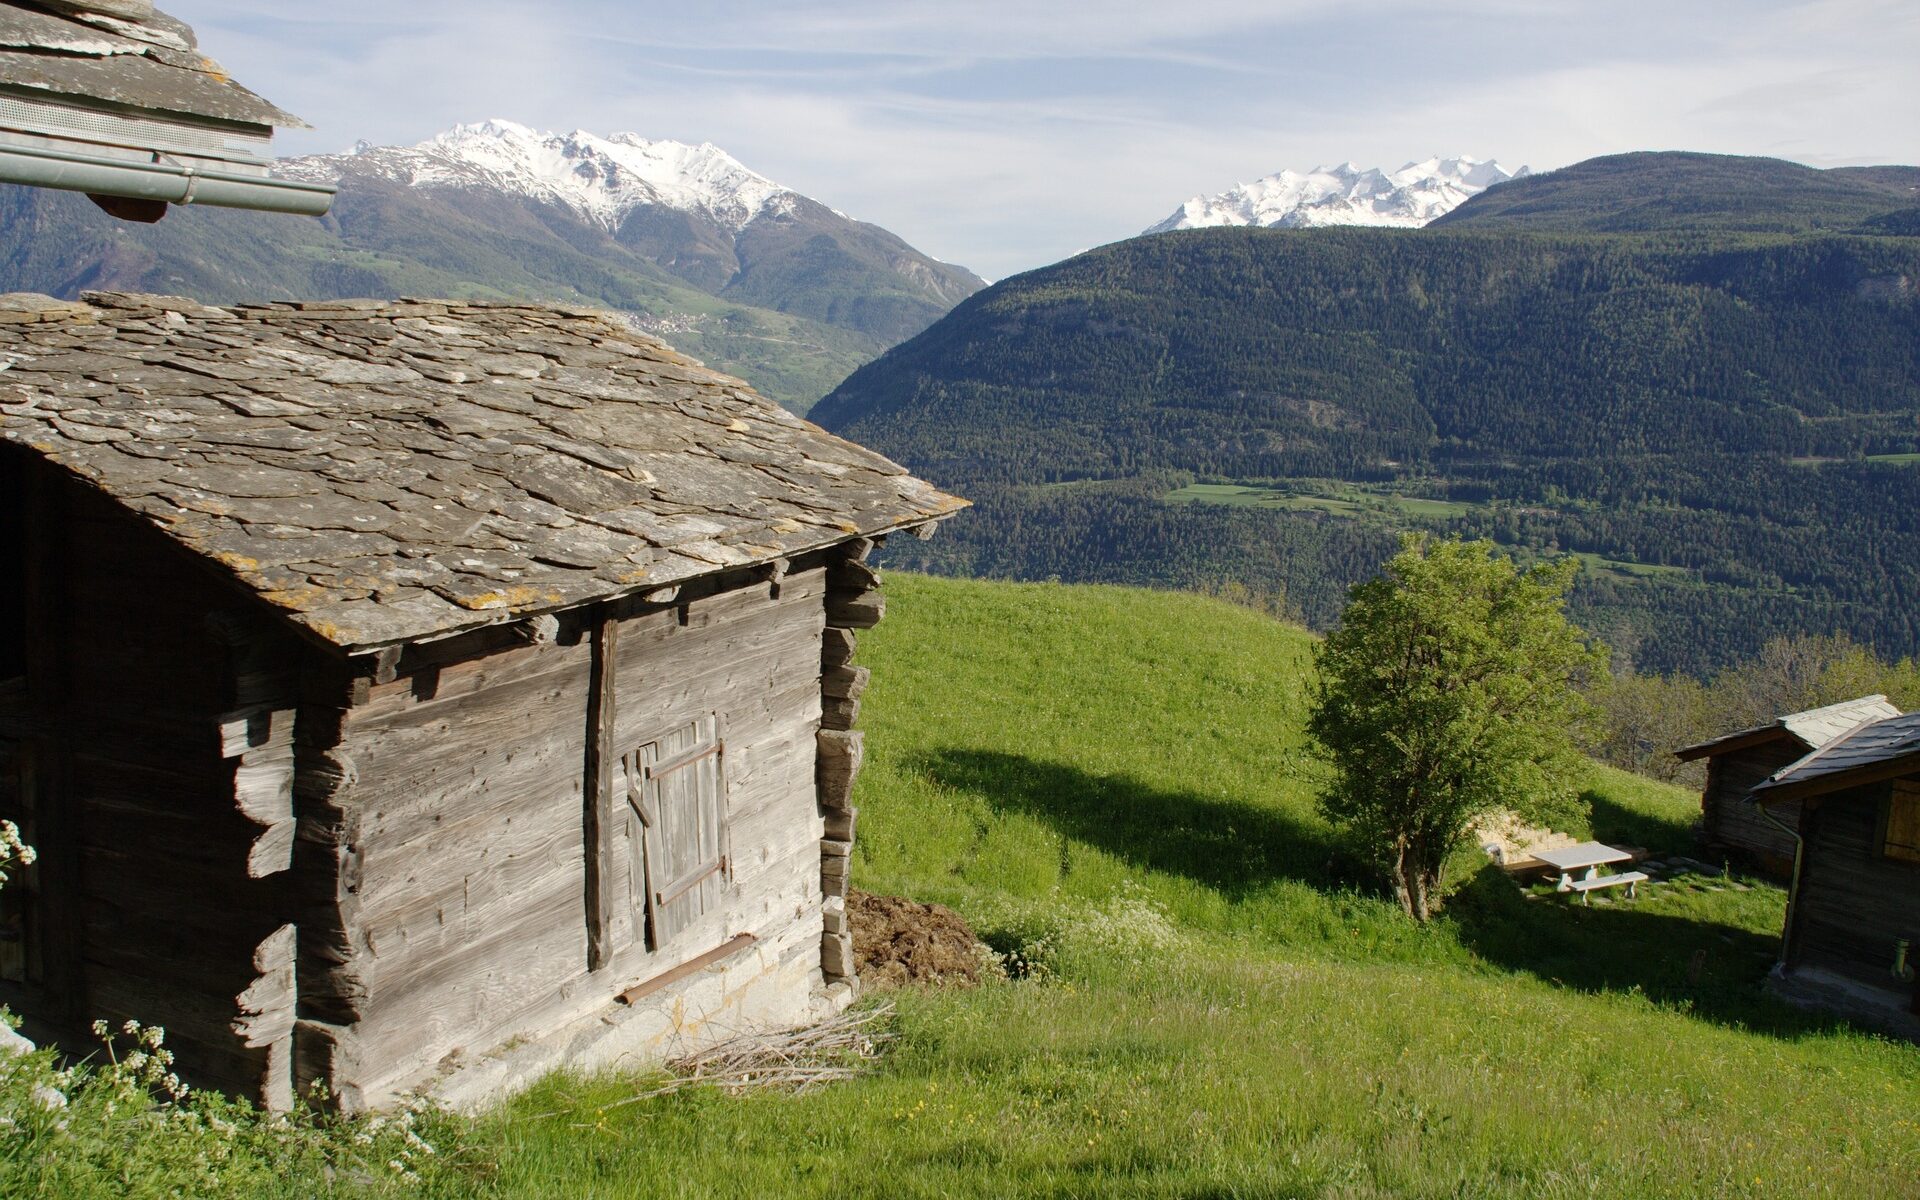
<point>421,696</point>
<point>1737,762</point>
<point>1853,917</point>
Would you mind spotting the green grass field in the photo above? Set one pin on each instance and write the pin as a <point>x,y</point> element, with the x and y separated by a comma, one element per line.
<point>1344,502</point>
<point>1397,511</point>
<point>1626,569</point>
<point>1115,783</point>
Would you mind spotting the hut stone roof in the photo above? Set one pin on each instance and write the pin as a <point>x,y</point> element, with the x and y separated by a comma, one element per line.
<point>382,472</point>
<point>1873,750</point>
<point>124,52</point>
<point>1813,728</point>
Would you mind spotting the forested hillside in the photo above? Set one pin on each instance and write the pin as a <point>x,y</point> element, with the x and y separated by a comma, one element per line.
<point>1692,193</point>
<point>1720,423</point>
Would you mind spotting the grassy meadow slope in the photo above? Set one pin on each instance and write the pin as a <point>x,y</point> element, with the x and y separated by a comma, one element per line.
<point>1114,783</point>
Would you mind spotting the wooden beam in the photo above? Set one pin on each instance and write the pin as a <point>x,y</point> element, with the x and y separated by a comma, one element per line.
<point>597,790</point>
<point>724,950</point>
<point>855,610</point>
<point>836,647</point>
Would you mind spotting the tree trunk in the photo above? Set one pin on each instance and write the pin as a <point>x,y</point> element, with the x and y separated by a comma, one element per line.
<point>1416,883</point>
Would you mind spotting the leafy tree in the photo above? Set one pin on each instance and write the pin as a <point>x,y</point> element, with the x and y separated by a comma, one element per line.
<point>1448,691</point>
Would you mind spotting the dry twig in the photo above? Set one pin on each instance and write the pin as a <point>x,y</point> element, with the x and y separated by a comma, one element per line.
<point>796,1060</point>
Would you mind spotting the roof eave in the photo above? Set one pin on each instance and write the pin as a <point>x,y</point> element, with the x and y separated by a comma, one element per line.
<point>1835,781</point>
<point>1744,739</point>
<point>490,618</point>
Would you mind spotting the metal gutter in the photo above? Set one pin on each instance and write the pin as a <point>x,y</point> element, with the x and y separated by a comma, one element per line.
<point>168,182</point>
<point>1793,887</point>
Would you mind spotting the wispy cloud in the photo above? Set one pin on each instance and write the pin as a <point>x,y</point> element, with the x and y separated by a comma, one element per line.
<point>1006,133</point>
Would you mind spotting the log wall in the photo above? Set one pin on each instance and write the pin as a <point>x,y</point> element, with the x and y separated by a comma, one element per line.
<point>1728,822</point>
<point>1853,901</point>
<point>374,874</point>
<point>448,831</point>
<point>159,732</point>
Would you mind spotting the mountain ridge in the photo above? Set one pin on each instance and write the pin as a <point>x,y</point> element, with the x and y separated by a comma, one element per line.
<point>1346,194</point>
<point>753,277</point>
<point>1678,191</point>
<point>604,179</point>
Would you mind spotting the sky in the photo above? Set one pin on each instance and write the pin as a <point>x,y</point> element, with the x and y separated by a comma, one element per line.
<point>1007,134</point>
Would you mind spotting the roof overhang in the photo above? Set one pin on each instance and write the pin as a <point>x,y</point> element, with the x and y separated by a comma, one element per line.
<point>1746,739</point>
<point>1836,781</point>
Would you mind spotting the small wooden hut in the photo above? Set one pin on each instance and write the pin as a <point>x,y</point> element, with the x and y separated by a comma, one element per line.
<point>1853,916</point>
<point>422,695</point>
<point>1738,761</point>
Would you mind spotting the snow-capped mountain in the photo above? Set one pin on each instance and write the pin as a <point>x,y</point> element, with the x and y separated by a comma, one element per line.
<point>1346,195</point>
<point>694,212</point>
<point>603,179</point>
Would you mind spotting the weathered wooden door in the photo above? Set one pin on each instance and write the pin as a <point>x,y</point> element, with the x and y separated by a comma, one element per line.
<point>676,791</point>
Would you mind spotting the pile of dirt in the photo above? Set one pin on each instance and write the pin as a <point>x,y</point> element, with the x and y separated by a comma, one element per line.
<point>899,942</point>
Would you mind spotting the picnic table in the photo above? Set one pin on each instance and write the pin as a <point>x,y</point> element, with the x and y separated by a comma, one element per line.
<point>1588,855</point>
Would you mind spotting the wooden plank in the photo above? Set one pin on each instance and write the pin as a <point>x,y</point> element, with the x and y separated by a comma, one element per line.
<point>463,680</point>
<point>723,951</point>
<point>597,797</point>
<point>423,771</point>
<point>681,762</point>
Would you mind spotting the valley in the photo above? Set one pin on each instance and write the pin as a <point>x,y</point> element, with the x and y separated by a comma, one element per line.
<point>1719,421</point>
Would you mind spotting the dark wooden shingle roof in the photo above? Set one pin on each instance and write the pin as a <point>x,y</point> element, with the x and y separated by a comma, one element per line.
<point>1876,750</point>
<point>383,472</point>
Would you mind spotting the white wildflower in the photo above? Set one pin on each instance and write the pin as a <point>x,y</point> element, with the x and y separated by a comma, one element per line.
<point>11,1043</point>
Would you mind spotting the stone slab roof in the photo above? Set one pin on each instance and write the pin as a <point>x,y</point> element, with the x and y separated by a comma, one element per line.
<point>124,52</point>
<point>1812,729</point>
<point>382,472</point>
<point>1874,750</point>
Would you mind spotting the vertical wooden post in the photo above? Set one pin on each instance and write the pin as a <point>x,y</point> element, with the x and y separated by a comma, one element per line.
<point>597,789</point>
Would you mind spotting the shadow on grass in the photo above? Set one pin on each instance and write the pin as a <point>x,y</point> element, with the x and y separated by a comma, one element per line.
<point>1617,825</point>
<point>1231,846</point>
<point>1713,970</point>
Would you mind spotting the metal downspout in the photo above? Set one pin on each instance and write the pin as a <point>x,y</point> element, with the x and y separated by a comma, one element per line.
<point>1793,887</point>
<point>173,183</point>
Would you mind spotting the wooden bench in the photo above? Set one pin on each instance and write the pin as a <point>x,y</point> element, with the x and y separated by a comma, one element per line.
<point>1630,879</point>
